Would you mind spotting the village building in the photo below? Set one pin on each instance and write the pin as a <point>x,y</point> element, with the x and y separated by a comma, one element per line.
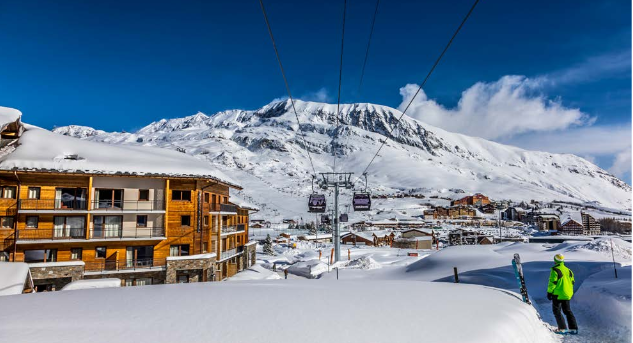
<point>477,199</point>
<point>571,227</point>
<point>591,226</point>
<point>468,237</point>
<point>74,209</point>
<point>513,214</point>
<point>488,209</point>
<point>547,222</point>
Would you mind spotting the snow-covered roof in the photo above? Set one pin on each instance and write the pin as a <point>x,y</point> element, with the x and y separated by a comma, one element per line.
<point>8,116</point>
<point>42,150</point>
<point>94,283</point>
<point>236,200</point>
<point>13,276</point>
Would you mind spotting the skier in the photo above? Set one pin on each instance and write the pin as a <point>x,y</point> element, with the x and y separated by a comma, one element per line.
<point>560,289</point>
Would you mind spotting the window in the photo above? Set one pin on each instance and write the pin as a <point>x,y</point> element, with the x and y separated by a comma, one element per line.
<point>100,252</point>
<point>34,193</point>
<point>142,281</point>
<point>48,255</point>
<point>141,221</point>
<point>107,226</point>
<point>143,194</point>
<point>8,192</point>
<point>205,247</point>
<point>32,221</point>
<point>207,198</point>
<point>72,198</point>
<point>4,256</point>
<point>213,199</point>
<point>6,222</point>
<point>179,250</point>
<point>76,253</point>
<point>109,198</point>
<point>69,227</point>
<point>206,220</point>
<point>181,195</point>
<point>185,220</point>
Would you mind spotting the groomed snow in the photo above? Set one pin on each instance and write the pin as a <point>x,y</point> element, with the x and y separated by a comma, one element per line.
<point>277,311</point>
<point>12,277</point>
<point>42,150</point>
<point>94,283</point>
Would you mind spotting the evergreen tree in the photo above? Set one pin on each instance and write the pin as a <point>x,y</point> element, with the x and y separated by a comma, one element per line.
<point>268,246</point>
<point>312,229</point>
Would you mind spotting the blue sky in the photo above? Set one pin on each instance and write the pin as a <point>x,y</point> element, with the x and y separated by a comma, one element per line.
<point>121,65</point>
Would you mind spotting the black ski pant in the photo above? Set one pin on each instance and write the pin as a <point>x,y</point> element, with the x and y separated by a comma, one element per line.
<point>557,305</point>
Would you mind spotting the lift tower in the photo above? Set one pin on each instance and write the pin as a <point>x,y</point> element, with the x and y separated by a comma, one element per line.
<point>336,181</point>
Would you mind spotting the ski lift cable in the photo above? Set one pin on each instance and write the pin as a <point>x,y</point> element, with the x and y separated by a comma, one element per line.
<point>283,74</point>
<point>340,77</point>
<point>421,85</point>
<point>371,32</point>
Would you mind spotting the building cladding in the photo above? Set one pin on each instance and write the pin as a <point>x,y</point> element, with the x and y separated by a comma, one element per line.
<point>144,228</point>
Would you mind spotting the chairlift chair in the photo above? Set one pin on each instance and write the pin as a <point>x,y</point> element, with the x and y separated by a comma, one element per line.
<point>316,203</point>
<point>361,202</point>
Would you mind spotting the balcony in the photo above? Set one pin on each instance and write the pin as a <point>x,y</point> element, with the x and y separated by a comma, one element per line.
<point>233,228</point>
<point>128,205</point>
<point>228,208</point>
<point>229,253</point>
<point>52,204</point>
<point>51,234</point>
<point>110,265</point>
<point>123,233</point>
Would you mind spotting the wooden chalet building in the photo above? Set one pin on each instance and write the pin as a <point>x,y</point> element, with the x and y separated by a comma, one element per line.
<point>570,227</point>
<point>477,199</point>
<point>73,209</point>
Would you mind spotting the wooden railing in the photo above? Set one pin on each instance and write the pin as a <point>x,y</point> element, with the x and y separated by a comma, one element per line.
<point>53,234</point>
<point>52,204</point>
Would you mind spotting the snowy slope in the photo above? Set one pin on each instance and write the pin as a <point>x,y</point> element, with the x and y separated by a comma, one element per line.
<point>263,149</point>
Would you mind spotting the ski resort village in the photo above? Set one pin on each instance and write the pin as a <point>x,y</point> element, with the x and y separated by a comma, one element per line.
<point>160,182</point>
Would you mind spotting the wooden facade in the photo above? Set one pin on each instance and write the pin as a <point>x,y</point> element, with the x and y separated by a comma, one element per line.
<point>119,223</point>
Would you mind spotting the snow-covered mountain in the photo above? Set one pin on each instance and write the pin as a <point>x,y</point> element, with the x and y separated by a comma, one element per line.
<point>265,152</point>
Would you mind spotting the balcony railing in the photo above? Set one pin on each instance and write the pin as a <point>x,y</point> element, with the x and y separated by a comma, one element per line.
<point>212,207</point>
<point>121,233</point>
<point>128,205</point>
<point>53,234</point>
<point>233,228</point>
<point>228,253</point>
<point>52,204</point>
<point>124,264</point>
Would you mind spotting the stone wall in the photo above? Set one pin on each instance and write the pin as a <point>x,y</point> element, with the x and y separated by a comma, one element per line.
<point>250,255</point>
<point>59,276</point>
<point>198,270</point>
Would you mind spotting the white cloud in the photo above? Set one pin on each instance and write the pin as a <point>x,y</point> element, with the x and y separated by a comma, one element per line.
<point>500,109</point>
<point>622,164</point>
<point>616,64</point>
<point>321,95</point>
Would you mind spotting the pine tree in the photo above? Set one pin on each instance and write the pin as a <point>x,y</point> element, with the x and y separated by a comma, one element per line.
<point>312,229</point>
<point>268,246</point>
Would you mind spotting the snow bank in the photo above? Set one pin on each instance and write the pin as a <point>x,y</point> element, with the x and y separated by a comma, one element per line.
<point>278,311</point>
<point>13,276</point>
<point>621,248</point>
<point>363,262</point>
<point>95,283</point>
<point>311,269</point>
<point>255,272</point>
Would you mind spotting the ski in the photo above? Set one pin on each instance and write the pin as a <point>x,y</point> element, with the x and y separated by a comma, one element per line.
<point>518,272</point>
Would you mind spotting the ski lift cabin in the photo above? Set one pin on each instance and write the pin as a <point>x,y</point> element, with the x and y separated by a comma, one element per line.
<point>343,218</point>
<point>361,202</point>
<point>316,203</point>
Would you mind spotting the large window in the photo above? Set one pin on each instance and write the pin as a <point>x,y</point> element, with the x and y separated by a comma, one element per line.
<point>48,255</point>
<point>32,221</point>
<point>7,192</point>
<point>109,198</point>
<point>141,256</point>
<point>179,250</point>
<point>141,281</point>
<point>34,193</point>
<point>143,194</point>
<point>71,198</point>
<point>69,227</point>
<point>6,222</point>
<point>107,226</point>
<point>181,195</point>
<point>185,220</point>
<point>207,198</point>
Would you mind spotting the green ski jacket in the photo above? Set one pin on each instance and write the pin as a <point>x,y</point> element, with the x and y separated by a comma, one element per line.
<point>561,282</point>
